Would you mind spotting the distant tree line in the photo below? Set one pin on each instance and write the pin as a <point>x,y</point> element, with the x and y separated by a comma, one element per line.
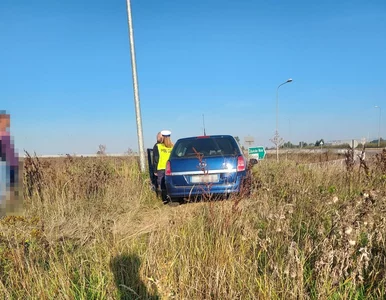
<point>321,143</point>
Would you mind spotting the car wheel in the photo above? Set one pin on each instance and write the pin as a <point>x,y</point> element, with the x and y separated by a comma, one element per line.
<point>177,199</point>
<point>171,201</point>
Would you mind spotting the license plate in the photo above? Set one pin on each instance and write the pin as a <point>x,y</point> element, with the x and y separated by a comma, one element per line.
<point>204,178</point>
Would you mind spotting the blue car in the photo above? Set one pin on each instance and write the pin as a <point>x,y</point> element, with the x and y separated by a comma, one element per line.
<point>206,166</point>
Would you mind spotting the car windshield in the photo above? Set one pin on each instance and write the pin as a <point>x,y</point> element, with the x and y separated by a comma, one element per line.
<point>210,146</point>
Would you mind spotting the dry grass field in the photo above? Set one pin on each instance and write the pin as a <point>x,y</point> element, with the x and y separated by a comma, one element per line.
<point>91,228</point>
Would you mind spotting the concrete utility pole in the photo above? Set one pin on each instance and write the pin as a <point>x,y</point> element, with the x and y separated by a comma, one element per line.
<point>135,88</point>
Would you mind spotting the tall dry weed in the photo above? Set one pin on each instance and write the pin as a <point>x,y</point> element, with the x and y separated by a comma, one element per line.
<point>93,229</point>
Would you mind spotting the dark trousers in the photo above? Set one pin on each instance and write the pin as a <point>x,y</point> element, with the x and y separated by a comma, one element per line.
<point>161,179</point>
<point>161,185</point>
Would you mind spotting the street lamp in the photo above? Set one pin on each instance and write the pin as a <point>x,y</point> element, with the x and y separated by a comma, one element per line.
<point>277,118</point>
<point>379,129</point>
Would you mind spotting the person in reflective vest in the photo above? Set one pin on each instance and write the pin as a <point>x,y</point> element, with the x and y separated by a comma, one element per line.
<point>160,139</point>
<point>162,155</point>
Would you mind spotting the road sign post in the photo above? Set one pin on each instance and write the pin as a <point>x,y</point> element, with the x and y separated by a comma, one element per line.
<point>257,152</point>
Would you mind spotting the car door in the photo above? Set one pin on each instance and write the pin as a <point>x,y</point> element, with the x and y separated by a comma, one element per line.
<point>150,160</point>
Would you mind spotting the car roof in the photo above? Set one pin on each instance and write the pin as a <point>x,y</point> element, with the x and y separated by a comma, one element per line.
<point>207,136</point>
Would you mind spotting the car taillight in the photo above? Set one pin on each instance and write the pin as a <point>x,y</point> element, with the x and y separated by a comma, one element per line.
<point>168,170</point>
<point>240,164</point>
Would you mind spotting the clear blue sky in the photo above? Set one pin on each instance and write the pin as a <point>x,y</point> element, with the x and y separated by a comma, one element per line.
<point>65,71</point>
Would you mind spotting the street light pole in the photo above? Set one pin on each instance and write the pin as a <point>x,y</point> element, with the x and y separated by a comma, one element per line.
<point>379,128</point>
<point>135,89</point>
<point>277,118</point>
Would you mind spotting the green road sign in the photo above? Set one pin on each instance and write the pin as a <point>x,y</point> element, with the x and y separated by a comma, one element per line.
<point>257,152</point>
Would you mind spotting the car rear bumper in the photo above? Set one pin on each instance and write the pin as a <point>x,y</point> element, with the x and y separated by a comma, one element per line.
<point>201,189</point>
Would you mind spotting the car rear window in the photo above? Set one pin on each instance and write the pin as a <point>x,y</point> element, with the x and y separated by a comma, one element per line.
<point>211,146</point>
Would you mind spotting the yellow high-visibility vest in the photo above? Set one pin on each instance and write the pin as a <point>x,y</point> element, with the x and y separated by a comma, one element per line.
<point>164,154</point>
